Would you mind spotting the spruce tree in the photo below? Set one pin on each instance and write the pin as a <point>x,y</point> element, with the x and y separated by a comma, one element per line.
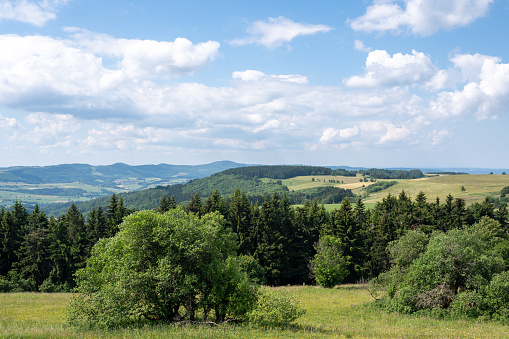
<point>240,218</point>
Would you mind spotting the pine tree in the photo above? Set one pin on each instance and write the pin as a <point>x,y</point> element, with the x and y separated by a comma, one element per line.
<point>58,253</point>
<point>194,206</point>
<point>77,239</point>
<point>33,255</point>
<point>350,233</point>
<point>9,242</point>
<point>166,204</point>
<point>115,213</point>
<point>215,203</point>
<point>240,218</point>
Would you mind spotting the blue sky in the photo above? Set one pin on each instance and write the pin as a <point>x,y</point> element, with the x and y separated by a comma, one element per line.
<point>374,83</point>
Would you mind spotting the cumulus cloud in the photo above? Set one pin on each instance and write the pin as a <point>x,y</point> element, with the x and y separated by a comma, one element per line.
<point>147,58</point>
<point>32,12</point>
<point>381,132</point>
<point>419,17</point>
<point>485,93</point>
<point>49,127</point>
<point>383,69</point>
<point>277,31</point>
<point>44,73</point>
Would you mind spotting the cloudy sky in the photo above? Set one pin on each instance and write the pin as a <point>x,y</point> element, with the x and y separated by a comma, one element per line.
<point>374,83</point>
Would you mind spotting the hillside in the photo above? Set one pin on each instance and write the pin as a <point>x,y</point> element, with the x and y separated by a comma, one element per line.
<point>82,182</point>
<point>225,182</point>
<point>300,183</point>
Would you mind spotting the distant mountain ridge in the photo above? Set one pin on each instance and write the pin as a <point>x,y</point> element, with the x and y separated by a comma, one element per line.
<point>109,175</point>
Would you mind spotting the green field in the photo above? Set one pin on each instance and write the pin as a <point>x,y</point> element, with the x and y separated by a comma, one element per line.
<point>331,313</point>
<point>477,186</point>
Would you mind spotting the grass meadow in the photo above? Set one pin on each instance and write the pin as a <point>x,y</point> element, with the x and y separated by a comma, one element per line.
<point>477,186</point>
<point>342,312</point>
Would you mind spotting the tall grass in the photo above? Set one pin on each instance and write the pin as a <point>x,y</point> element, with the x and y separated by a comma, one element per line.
<point>342,312</point>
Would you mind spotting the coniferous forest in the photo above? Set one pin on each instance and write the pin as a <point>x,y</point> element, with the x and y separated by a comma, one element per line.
<point>41,253</point>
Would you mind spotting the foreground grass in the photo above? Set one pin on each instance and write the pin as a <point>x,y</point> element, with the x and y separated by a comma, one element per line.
<point>331,313</point>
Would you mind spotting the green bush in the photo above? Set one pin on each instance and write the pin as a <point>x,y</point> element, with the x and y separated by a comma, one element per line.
<point>497,294</point>
<point>329,266</point>
<point>275,308</point>
<point>5,285</point>
<point>460,272</point>
<point>470,304</point>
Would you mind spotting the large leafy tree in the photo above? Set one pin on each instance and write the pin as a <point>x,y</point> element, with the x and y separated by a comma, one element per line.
<point>158,264</point>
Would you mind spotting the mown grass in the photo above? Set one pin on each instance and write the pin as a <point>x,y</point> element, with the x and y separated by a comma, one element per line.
<point>343,312</point>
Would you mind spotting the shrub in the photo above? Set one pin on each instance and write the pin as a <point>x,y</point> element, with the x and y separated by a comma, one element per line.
<point>329,266</point>
<point>5,284</point>
<point>470,304</point>
<point>458,272</point>
<point>275,308</point>
<point>497,294</point>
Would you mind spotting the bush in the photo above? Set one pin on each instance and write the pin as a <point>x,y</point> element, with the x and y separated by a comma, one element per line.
<point>459,272</point>
<point>275,308</point>
<point>497,294</point>
<point>48,286</point>
<point>5,285</point>
<point>470,304</point>
<point>329,266</point>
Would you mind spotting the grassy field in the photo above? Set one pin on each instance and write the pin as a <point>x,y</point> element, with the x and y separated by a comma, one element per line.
<point>477,186</point>
<point>331,313</point>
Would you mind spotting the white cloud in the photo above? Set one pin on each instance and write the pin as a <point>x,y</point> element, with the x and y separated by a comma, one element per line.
<point>359,45</point>
<point>50,127</point>
<point>32,12</point>
<point>277,31</point>
<point>98,102</point>
<point>383,69</point>
<point>485,94</point>
<point>8,123</point>
<point>379,132</point>
<point>252,75</point>
<point>419,17</point>
<point>44,73</point>
<point>145,59</point>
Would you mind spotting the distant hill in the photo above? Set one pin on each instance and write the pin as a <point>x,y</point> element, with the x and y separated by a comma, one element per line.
<point>81,182</point>
<point>110,175</point>
<point>226,183</point>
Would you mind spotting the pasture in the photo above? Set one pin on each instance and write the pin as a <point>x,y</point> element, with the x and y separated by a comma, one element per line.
<point>477,186</point>
<point>343,312</point>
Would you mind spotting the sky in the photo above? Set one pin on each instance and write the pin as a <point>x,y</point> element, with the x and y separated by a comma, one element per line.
<point>371,83</point>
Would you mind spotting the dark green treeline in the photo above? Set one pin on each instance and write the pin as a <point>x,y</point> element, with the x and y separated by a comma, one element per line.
<point>42,253</point>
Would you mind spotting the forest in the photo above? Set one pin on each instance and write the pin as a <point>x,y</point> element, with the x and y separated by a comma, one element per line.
<point>41,253</point>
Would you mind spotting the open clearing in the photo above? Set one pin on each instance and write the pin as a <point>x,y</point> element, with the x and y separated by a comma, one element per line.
<point>331,313</point>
